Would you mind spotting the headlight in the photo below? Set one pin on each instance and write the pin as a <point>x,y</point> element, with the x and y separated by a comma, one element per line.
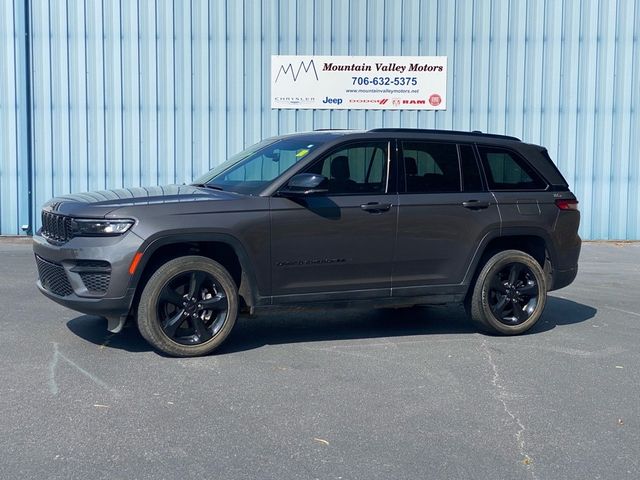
<point>90,228</point>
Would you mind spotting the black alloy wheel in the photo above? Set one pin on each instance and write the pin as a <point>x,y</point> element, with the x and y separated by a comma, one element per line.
<point>192,308</point>
<point>513,294</point>
<point>509,293</point>
<point>188,307</point>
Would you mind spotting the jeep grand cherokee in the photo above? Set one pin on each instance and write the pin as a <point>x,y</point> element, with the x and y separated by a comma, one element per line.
<point>383,217</point>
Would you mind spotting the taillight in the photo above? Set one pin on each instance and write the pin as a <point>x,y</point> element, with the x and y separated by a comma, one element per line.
<point>567,204</point>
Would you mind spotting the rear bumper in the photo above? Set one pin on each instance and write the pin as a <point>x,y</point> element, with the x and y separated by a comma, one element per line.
<point>565,257</point>
<point>562,278</point>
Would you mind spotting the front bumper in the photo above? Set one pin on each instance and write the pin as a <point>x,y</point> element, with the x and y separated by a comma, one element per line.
<point>102,307</point>
<point>88,274</point>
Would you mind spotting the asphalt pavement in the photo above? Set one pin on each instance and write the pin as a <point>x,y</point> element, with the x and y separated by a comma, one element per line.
<point>329,394</point>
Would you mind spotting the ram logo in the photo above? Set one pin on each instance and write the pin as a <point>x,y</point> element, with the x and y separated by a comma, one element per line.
<point>309,68</point>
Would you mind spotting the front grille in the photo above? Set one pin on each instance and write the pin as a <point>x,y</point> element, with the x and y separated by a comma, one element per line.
<point>56,227</point>
<point>95,282</point>
<point>53,277</point>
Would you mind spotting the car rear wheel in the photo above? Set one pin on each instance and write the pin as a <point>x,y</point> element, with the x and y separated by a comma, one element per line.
<point>509,294</point>
<point>188,307</point>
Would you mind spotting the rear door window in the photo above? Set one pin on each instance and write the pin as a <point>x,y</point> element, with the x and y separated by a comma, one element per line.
<point>431,167</point>
<point>471,178</point>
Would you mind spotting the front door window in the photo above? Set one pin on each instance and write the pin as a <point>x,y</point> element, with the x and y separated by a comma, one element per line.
<point>357,169</point>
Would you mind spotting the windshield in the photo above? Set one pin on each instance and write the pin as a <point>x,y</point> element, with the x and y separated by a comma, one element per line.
<point>251,170</point>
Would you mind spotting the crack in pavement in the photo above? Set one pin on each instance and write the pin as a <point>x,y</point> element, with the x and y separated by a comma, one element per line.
<point>502,395</point>
<point>53,364</point>
<point>629,312</point>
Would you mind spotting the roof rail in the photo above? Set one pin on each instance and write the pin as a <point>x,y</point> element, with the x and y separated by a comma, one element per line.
<point>475,133</point>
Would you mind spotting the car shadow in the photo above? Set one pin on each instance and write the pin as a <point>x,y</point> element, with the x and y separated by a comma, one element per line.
<point>283,326</point>
<point>562,311</point>
<point>94,330</point>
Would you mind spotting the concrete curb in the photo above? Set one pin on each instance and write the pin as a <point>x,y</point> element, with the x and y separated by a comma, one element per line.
<point>15,239</point>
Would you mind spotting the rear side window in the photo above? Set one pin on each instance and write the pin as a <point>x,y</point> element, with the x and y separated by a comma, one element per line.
<point>431,167</point>
<point>559,180</point>
<point>506,170</point>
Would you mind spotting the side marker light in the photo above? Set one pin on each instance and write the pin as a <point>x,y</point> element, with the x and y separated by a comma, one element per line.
<point>134,263</point>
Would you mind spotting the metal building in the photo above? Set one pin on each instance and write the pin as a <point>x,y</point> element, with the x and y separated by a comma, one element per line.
<point>107,93</point>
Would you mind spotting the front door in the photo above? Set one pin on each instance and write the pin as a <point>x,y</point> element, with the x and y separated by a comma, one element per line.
<point>339,245</point>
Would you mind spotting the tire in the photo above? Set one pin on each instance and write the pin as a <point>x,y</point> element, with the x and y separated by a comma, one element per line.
<point>509,294</point>
<point>188,307</point>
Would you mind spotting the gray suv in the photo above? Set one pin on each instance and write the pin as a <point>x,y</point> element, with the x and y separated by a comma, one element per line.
<point>385,217</point>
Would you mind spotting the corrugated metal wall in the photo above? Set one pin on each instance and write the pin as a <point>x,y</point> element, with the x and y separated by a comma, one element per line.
<point>14,174</point>
<point>140,92</point>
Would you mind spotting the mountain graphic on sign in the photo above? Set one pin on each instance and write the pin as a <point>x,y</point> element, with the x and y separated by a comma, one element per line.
<point>307,67</point>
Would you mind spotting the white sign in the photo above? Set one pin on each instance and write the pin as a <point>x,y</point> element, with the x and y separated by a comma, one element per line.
<point>345,82</point>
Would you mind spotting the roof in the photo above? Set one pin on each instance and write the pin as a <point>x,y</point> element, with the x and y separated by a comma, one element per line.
<point>445,132</point>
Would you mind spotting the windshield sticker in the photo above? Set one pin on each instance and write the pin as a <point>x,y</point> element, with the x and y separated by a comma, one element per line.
<point>302,153</point>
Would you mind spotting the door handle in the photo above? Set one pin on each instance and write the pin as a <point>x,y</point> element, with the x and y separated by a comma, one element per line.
<point>375,207</point>
<point>475,204</point>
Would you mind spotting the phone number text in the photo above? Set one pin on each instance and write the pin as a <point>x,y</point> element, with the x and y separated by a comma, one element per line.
<point>397,81</point>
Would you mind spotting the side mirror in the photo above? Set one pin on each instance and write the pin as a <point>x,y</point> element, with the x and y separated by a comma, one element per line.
<point>304,184</point>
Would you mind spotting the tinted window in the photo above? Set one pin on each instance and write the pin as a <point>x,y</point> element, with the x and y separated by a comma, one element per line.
<point>356,169</point>
<point>252,169</point>
<point>431,167</point>
<point>471,181</point>
<point>506,170</point>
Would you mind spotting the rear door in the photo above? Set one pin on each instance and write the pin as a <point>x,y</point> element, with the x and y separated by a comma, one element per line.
<point>338,245</point>
<point>445,211</point>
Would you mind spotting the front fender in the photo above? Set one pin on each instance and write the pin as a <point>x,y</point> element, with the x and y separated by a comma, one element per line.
<point>251,288</point>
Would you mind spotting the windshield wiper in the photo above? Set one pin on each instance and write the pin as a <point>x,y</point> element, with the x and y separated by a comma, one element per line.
<point>206,185</point>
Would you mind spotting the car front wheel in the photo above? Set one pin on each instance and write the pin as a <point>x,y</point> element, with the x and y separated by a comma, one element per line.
<point>188,307</point>
<point>509,294</point>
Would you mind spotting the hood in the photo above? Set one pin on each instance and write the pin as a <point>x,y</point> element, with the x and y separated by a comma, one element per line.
<point>104,201</point>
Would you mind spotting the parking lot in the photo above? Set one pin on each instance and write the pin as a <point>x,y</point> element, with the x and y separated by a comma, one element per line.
<point>338,394</point>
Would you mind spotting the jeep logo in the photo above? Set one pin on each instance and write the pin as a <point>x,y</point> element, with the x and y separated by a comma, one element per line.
<point>335,101</point>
